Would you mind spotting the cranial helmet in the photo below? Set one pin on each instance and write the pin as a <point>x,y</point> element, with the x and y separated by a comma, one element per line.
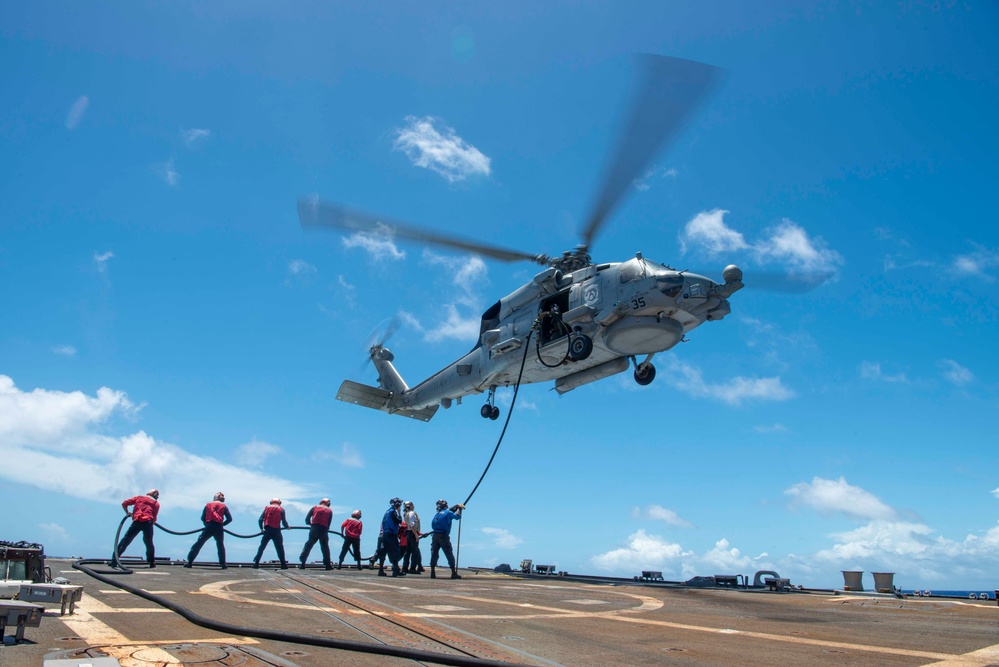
<point>396,502</point>
<point>275,501</point>
<point>219,497</point>
<point>325,501</point>
<point>441,505</point>
<point>154,494</point>
<point>356,514</point>
<point>409,505</point>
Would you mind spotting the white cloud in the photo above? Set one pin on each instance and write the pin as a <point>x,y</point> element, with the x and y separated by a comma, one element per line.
<point>976,264</point>
<point>837,496</point>
<point>787,243</point>
<point>63,433</point>
<point>76,112</point>
<point>301,273</point>
<point>101,259</point>
<point>955,373</point>
<point>454,326</point>
<point>871,370</point>
<point>194,136</point>
<point>379,244</point>
<point>668,516</point>
<point>349,456</point>
<point>642,552</point>
<point>502,538</point>
<point>770,428</point>
<point>54,531</point>
<point>642,184</point>
<point>460,319</point>
<point>733,392</point>
<point>431,145</point>
<point>64,350</point>
<point>167,172</point>
<point>255,452</point>
<point>790,243</point>
<point>709,231</point>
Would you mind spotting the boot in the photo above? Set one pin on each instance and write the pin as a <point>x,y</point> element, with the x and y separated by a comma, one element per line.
<point>381,571</point>
<point>152,564</point>
<point>396,572</point>
<point>224,567</point>
<point>256,565</point>
<point>301,566</point>
<point>284,566</point>
<point>359,566</point>
<point>188,564</point>
<point>454,573</point>
<point>433,572</point>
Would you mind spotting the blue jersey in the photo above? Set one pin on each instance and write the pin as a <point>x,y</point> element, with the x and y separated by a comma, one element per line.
<point>442,521</point>
<point>391,521</point>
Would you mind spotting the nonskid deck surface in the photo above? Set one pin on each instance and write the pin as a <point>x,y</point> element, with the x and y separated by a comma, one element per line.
<point>534,621</point>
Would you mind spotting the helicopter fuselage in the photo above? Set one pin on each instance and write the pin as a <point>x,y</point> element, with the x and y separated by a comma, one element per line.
<point>571,328</point>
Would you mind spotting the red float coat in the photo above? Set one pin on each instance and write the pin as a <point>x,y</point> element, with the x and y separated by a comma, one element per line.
<point>146,508</point>
<point>351,528</point>
<point>273,517</point>
<point>215,512</point>
<point>320,515</point>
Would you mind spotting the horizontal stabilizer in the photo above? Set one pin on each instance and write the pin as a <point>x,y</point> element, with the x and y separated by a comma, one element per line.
<point>377,398</point>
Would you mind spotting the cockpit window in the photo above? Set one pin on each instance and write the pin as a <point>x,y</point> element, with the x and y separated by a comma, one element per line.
<point>670,284</point>
<point>637,268</point>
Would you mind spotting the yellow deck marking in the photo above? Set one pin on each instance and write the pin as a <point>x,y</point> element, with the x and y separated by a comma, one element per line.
<point>980,658</point>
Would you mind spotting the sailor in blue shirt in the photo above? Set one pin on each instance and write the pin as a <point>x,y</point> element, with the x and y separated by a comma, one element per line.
<point>442,537</point>
<point>390,539</point>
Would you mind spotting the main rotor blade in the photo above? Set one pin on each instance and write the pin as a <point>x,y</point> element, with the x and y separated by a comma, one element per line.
<point>788,282</point>
<point>313,213</point>
<point>667,94</point>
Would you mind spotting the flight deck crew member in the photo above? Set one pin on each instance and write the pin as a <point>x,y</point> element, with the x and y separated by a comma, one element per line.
<point>442,537</point>
<point>318,520</point>
<point>214,516</point>
<point>270,522</point>
<point>351,529</point>
<point>413,521</point>
<point>147,507</point>
<point>390,539</point>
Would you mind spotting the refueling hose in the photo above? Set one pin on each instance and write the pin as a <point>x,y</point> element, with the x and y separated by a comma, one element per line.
<point>266,633</point>
<point>509,413</point>
<point>309,640</point>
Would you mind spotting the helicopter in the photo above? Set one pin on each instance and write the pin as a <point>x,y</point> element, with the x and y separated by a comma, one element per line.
<point>588,320</point>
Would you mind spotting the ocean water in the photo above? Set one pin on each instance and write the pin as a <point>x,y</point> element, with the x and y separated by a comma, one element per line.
<point>989,595</point>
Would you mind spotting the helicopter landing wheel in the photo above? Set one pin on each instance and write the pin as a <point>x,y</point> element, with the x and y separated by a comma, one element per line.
<point>487,411</point>
<point>580,347</point>
<point>494,413</point>
<point>645,374</point>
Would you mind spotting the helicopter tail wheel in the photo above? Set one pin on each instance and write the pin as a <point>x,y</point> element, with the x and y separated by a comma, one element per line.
<point>494,413</point>
<point>645,373</point>
<point>580,347</point>
<point>487,411</point>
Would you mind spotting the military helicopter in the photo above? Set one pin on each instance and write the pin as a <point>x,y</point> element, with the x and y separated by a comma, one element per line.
<point>588,320</point>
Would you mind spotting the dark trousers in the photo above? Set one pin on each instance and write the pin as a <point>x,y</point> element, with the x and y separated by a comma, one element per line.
<point>210,530</point>
<point>275,535</point>
<point>351,544</point>
<point>144,527</point>
<point>319,534</point>
<point>390,548</point>
<point>415,557</point>
<point>441,542</point>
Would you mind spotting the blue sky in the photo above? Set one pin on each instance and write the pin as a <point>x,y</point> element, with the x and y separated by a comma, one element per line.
<point>166,322</point>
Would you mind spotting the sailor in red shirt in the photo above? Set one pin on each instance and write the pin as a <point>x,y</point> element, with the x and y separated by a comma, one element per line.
<point>351,529</point>
<point>147,507</point>
<point>318,520</point>
<point>270,522</point>
<point>214,517</point>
